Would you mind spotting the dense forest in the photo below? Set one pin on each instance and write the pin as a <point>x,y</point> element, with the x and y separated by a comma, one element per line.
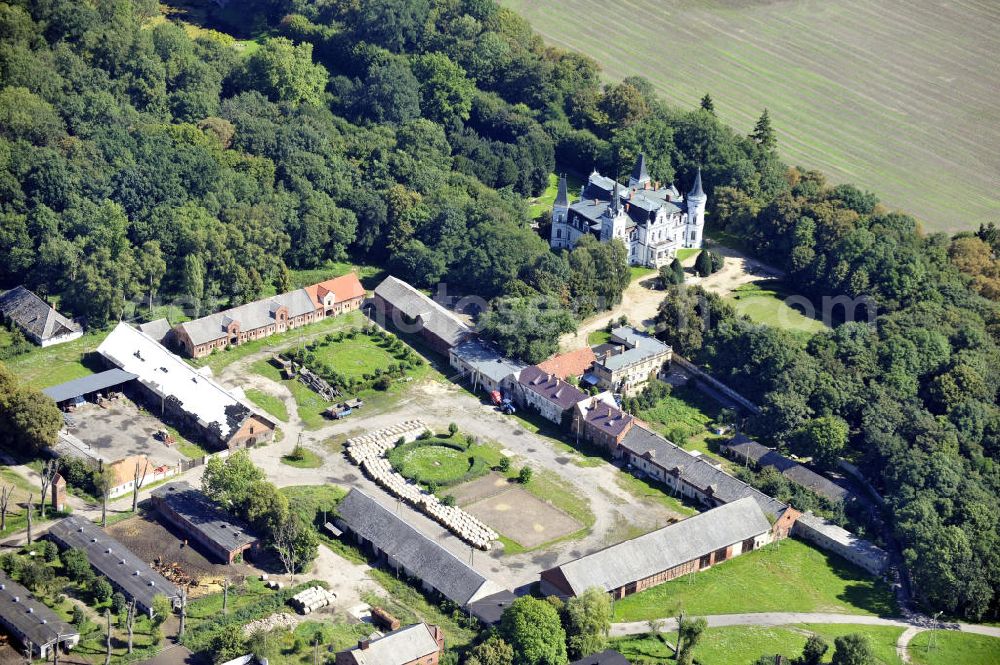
<point>142,160</point>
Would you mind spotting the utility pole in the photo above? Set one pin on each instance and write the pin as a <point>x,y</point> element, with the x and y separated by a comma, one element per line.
<point>107,637</point>
<point>225,595</point>
<point>184,597</point>
<point>30,510</point>
<point>677,649</point>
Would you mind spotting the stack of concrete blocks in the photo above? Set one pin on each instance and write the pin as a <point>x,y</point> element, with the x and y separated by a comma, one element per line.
<point>312,599</point>
<point>368,451</point>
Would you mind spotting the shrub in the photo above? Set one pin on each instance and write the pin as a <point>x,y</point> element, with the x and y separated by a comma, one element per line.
<point>76,564</point>
<point>78,616</point>
<point>426,434</point>
<point>504,465</point>
<point>382,383</point>
<point>432,486</point>
<point>524,475</point>
<point>448,500</point>
<point>100,590</point>
<point>452,429</point>
<point>118,603</point>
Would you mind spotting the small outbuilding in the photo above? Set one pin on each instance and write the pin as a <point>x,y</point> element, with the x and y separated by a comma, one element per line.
<point>200,518</point>
<point>38,320</point>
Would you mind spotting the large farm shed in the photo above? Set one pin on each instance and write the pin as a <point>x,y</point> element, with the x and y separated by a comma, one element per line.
<point>174,390</point>
<point>29,621</point>
<point>197,516</point>
<point>685,547</point>
<point>411,311</point>
<point>405,549</point>
<point>744,449</point>
<point>109,558</point>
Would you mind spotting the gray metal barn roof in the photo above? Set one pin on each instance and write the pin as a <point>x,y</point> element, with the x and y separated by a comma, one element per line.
<point>110,558</point>
<point>743,447</point>
<point>208,518</point>
<point>609,657</point>
<point>89,384</point>
<point>420,555</point>
<point>29,617</point>
<point>687,540</point>
<point>434,317</point>
<point>695,470</point>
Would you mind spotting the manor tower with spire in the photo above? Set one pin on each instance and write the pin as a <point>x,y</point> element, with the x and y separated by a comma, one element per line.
<point>653,221</point>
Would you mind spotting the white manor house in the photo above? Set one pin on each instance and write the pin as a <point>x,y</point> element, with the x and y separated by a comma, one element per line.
<point>652,221</point>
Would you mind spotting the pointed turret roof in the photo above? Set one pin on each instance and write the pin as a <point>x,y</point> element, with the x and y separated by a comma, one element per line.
<point>562,196</point>
<point>696,190</point>
<point>639,172</point>
<point>614,199</point>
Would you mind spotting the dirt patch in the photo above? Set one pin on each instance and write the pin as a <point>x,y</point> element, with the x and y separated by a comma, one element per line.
<point>523,518</point>
<point>160,546</point>
<point>475,490</point>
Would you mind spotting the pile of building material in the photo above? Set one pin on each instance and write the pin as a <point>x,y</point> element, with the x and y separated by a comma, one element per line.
<point>312,599</point>
<point>368,452</point>
<point>269,623</point>
<point>318,384</point>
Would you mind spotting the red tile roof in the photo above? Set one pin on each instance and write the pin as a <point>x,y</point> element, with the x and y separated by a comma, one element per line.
<point>573,363</point>
<point>345,287</point>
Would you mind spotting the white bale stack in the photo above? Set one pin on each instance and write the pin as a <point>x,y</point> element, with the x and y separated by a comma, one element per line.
<point>368,451</point>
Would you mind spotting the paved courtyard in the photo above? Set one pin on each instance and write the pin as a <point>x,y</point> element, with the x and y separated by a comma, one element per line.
<point>120,430</point>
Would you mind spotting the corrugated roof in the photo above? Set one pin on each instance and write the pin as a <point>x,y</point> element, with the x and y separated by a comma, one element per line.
<point>406,645</point>
<point>111,559</point>
<point>88,384</point>
<point>420,555</point>
<point>170,377</point>
<point>204,515</point>
<point>29,617</point>
<point>742,447</point>
<point>609,657</point>
<point>157,329</point>
<point>34,315</point>
<point>696,471</point>
<point>433,316</point>
<point>665,548</point>
<point>487,360</point>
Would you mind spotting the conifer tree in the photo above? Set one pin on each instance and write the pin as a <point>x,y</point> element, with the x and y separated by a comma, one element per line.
<point>763,133</point>
<point>707,104</point>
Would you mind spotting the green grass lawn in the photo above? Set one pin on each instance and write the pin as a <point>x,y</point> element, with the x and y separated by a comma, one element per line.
<point>685,417</point>
<point>298,646</point>
<point>643,490</point>
<point>543,203</point>
<point>765,302</point>
<point>444,460</point>
<point>191,450</point>
<point>41,368</point>
<point>742,645</point>
<point>598,337</point>
<point>687,253</point>
<point>353,358</point>
<point>945,647</point>
<point>787,576</point>
<point>273,405</point>
<point>303,459</point>
<point>310,405</point>
<point>640,272</point>
<point>549,486</point>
